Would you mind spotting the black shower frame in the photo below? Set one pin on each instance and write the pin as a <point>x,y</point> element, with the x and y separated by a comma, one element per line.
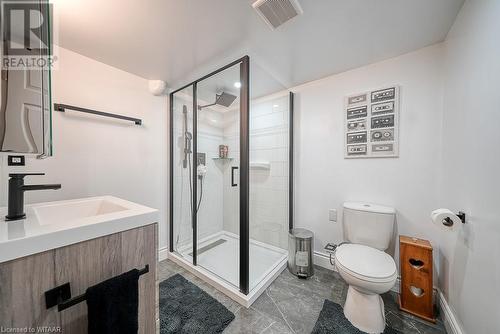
<point>244,167</point>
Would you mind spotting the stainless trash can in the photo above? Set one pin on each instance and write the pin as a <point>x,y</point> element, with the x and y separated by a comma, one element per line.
<point>300,252</point>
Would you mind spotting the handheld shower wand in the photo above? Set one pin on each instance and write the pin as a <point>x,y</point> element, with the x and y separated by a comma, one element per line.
<point>188,137</point>
<point>186,163</point>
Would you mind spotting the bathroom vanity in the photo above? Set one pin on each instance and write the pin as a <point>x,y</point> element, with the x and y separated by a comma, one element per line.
<point>83,242</point>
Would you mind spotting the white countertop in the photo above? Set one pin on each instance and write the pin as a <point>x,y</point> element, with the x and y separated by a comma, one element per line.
<point>45,229</point>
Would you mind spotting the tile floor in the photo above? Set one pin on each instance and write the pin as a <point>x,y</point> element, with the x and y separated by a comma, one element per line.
<point>292,305</point>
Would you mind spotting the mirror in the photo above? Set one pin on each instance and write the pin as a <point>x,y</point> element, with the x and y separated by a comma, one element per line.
<point>25,106</point>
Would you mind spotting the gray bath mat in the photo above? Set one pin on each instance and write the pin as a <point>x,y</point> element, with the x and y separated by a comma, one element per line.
<point>187,309</point>
<point>332,321</point>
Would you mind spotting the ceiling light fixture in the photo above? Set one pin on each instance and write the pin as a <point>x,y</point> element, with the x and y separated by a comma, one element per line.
<point>237,84</point>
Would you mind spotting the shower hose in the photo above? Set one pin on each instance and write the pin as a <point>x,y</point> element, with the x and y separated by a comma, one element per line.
<point>191,187</point>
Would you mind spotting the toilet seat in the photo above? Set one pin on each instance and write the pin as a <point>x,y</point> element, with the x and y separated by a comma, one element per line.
<point>366,263</point>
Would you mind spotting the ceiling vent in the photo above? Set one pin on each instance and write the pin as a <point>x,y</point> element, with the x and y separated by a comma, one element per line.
<point>277,12</point>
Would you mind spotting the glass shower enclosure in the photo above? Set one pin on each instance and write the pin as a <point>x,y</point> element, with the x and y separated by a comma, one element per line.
<point>230,176</point>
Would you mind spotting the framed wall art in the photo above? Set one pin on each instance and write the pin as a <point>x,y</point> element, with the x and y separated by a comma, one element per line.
<point>372,124</point>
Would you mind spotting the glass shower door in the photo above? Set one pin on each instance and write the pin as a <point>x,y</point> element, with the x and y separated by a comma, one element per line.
<point>231,177</point>
<point>209,173</point>
<point>218,188</point>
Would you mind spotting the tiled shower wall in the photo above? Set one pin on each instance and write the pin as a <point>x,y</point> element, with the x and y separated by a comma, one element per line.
<point>210,214</point>
<point>269,142</point>
<point>211,208</point>
<point>219,210</point>
<point>231,194</point>
<point>269,138</point>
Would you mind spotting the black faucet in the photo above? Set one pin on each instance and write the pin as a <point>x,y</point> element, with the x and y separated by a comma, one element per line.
<point>16,194</point>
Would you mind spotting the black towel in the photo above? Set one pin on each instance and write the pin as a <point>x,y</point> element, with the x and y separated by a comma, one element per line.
<point>113,305</point>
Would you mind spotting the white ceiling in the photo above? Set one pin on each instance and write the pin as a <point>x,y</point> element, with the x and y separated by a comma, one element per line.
<point>180,40</point>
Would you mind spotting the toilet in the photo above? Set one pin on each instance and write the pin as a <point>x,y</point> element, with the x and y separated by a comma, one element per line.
<point>364,265</point>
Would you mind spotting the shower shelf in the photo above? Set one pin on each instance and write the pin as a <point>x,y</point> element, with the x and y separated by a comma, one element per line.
<point>222,159</point>
<point>262,165</point>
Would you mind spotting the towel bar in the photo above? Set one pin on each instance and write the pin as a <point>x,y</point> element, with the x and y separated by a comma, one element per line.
<point>61,295</point>
<point>62,108</point>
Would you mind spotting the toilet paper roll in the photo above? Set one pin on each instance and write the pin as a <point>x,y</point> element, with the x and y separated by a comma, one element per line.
<point>438,216</point>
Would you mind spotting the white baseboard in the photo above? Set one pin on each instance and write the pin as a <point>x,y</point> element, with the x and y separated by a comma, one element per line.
<point>449,318</point>
<point>162,253</point>
<point>397,286</point>
<point>323,260</point>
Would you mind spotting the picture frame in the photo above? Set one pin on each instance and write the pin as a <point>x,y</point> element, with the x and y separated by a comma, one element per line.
<point>372,124</point>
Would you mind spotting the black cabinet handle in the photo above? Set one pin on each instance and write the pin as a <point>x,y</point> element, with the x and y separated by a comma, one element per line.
<point>233,184</point>
<point>22,175</point>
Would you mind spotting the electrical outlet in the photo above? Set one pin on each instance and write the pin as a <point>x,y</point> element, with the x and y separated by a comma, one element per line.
<point>15,160</point>
<point>333,215</point>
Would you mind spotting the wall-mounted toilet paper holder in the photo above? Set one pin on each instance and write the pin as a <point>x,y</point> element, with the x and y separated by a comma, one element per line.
<point>449,222</point>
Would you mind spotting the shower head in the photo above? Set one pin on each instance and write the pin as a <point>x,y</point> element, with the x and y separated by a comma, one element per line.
<point>223,99</point>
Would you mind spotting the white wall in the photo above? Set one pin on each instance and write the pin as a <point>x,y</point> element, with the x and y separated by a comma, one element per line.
<point>99,156</point>
<point>324,179</point>
<point>469,259</point>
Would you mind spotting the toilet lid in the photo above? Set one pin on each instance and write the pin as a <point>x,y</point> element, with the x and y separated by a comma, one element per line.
<point>365,261</point>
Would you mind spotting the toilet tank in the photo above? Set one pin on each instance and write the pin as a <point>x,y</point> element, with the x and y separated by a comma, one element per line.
<point>369,224</point>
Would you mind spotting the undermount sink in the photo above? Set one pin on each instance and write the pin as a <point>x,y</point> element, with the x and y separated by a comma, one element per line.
<point>69,211</point>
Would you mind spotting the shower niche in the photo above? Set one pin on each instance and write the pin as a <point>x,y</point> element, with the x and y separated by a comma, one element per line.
<point>228,220</point>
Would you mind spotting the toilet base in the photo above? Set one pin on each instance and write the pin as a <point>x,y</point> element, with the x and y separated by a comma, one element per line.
<point>365,311</point>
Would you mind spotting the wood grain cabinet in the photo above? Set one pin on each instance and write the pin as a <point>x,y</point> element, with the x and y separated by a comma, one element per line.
<point>415,256</point>
<point>23,281</point>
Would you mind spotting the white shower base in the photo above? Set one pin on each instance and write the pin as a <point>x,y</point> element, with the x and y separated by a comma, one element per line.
<point>218,264</point>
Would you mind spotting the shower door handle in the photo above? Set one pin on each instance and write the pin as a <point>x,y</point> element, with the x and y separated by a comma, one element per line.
<point>233,184</point>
